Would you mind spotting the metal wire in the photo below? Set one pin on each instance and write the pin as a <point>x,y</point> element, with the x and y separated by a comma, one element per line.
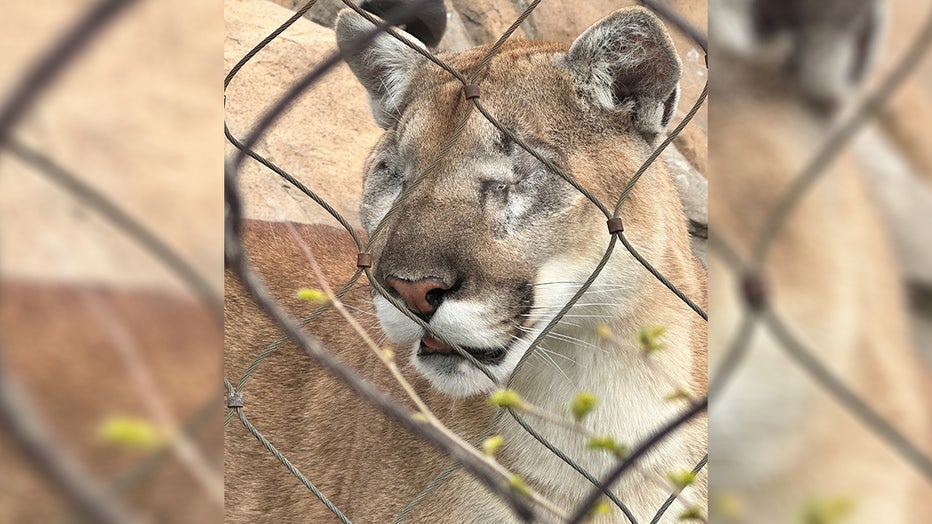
<point>432,166</point>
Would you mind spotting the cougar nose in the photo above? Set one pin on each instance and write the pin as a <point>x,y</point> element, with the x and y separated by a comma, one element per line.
<point>422,296</point>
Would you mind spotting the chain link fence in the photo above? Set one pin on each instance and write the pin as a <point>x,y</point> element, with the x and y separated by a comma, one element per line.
<point>472,91</point>
<point>754,287</point>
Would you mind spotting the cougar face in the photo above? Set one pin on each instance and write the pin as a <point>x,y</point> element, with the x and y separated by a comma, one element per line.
<point>464,247</point>
<point>478,237</point>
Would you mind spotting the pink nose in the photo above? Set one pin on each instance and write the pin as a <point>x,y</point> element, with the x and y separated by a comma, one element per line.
<point>421,296</point>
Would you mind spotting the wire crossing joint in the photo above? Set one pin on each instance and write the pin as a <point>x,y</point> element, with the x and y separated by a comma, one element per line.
<point>754,290</point>
<point>615,225</point>
<point>471,91</point>
<point>364,260</point>
<point>235,400</point>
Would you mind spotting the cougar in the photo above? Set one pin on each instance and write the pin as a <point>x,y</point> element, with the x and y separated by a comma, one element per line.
<point>780,443</point>
<point>485,247</point>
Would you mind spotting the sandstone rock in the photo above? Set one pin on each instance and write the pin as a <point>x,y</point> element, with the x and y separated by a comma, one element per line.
<point>324,137</point>
<point>135,116</point>
<point>457,37</point>
<point>324,12</point>
<point>486,20</point>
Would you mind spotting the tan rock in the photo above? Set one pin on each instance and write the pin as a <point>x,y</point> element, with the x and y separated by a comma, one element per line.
<point>457,36</point>
<point>135,116</point>
<point>323,138</point>
<point>486,20</point>
<point>324,12</point>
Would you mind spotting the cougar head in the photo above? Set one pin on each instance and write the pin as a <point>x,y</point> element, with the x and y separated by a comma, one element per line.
<point>476,235</point>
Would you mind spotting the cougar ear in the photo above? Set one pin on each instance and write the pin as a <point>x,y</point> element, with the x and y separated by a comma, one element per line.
<point>832,58</point>
<point>384,66</point>
<point>831,43</point>
<point>626,61</point>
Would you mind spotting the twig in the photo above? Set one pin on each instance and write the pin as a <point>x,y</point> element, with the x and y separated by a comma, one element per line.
<point>387,358</point>
<point>361,386</point>
<point>187,452</point>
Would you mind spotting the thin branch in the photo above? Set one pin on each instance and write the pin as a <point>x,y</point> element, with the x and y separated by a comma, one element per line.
<point>188,454</point>
<point>361,386</point>
<point>583,508</point>
<point>18,417</point>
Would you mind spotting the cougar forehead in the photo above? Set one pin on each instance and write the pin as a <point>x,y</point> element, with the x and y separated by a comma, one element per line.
<point>528,88</point>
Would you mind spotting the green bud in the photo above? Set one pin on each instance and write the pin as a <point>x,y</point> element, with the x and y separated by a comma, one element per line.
<point>519,486</point>
<point>607,443</point>
<point>681,479</point>
<point>600,508</point>
<point>679,394</point>
<point>491,444</point>
<point>505,398</point>
<point>312,295</point>
<point>132,432</point>
<point>828,511</point>
<point>649,339</point>
<point>691,513</point>
<point>603,331</point>
<point>583,404</point>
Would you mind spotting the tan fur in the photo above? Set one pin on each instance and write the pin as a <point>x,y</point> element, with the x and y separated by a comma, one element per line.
<point>365,463</point>
<point>62,355</point>
<point>779,440</point>
<point>361,460</point>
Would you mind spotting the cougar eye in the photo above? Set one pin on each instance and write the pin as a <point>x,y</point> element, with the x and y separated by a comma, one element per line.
<point>495,186</point>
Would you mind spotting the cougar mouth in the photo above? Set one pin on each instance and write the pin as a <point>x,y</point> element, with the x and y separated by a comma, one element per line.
<point>431,348</point>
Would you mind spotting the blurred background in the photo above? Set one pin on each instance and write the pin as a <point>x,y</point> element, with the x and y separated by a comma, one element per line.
<point>819,261</point>
<point>109,361</point>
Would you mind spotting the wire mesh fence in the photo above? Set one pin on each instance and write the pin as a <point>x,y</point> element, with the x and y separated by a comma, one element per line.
<point>472,91</point>
<point>755,294</point>
<point>768,328</point>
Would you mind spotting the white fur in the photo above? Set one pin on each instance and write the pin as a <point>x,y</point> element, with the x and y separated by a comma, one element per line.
<point>632,395</point>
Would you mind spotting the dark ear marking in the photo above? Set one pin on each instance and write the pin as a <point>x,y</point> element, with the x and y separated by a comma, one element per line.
<point>669,107</point>
<point>428,24</point>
